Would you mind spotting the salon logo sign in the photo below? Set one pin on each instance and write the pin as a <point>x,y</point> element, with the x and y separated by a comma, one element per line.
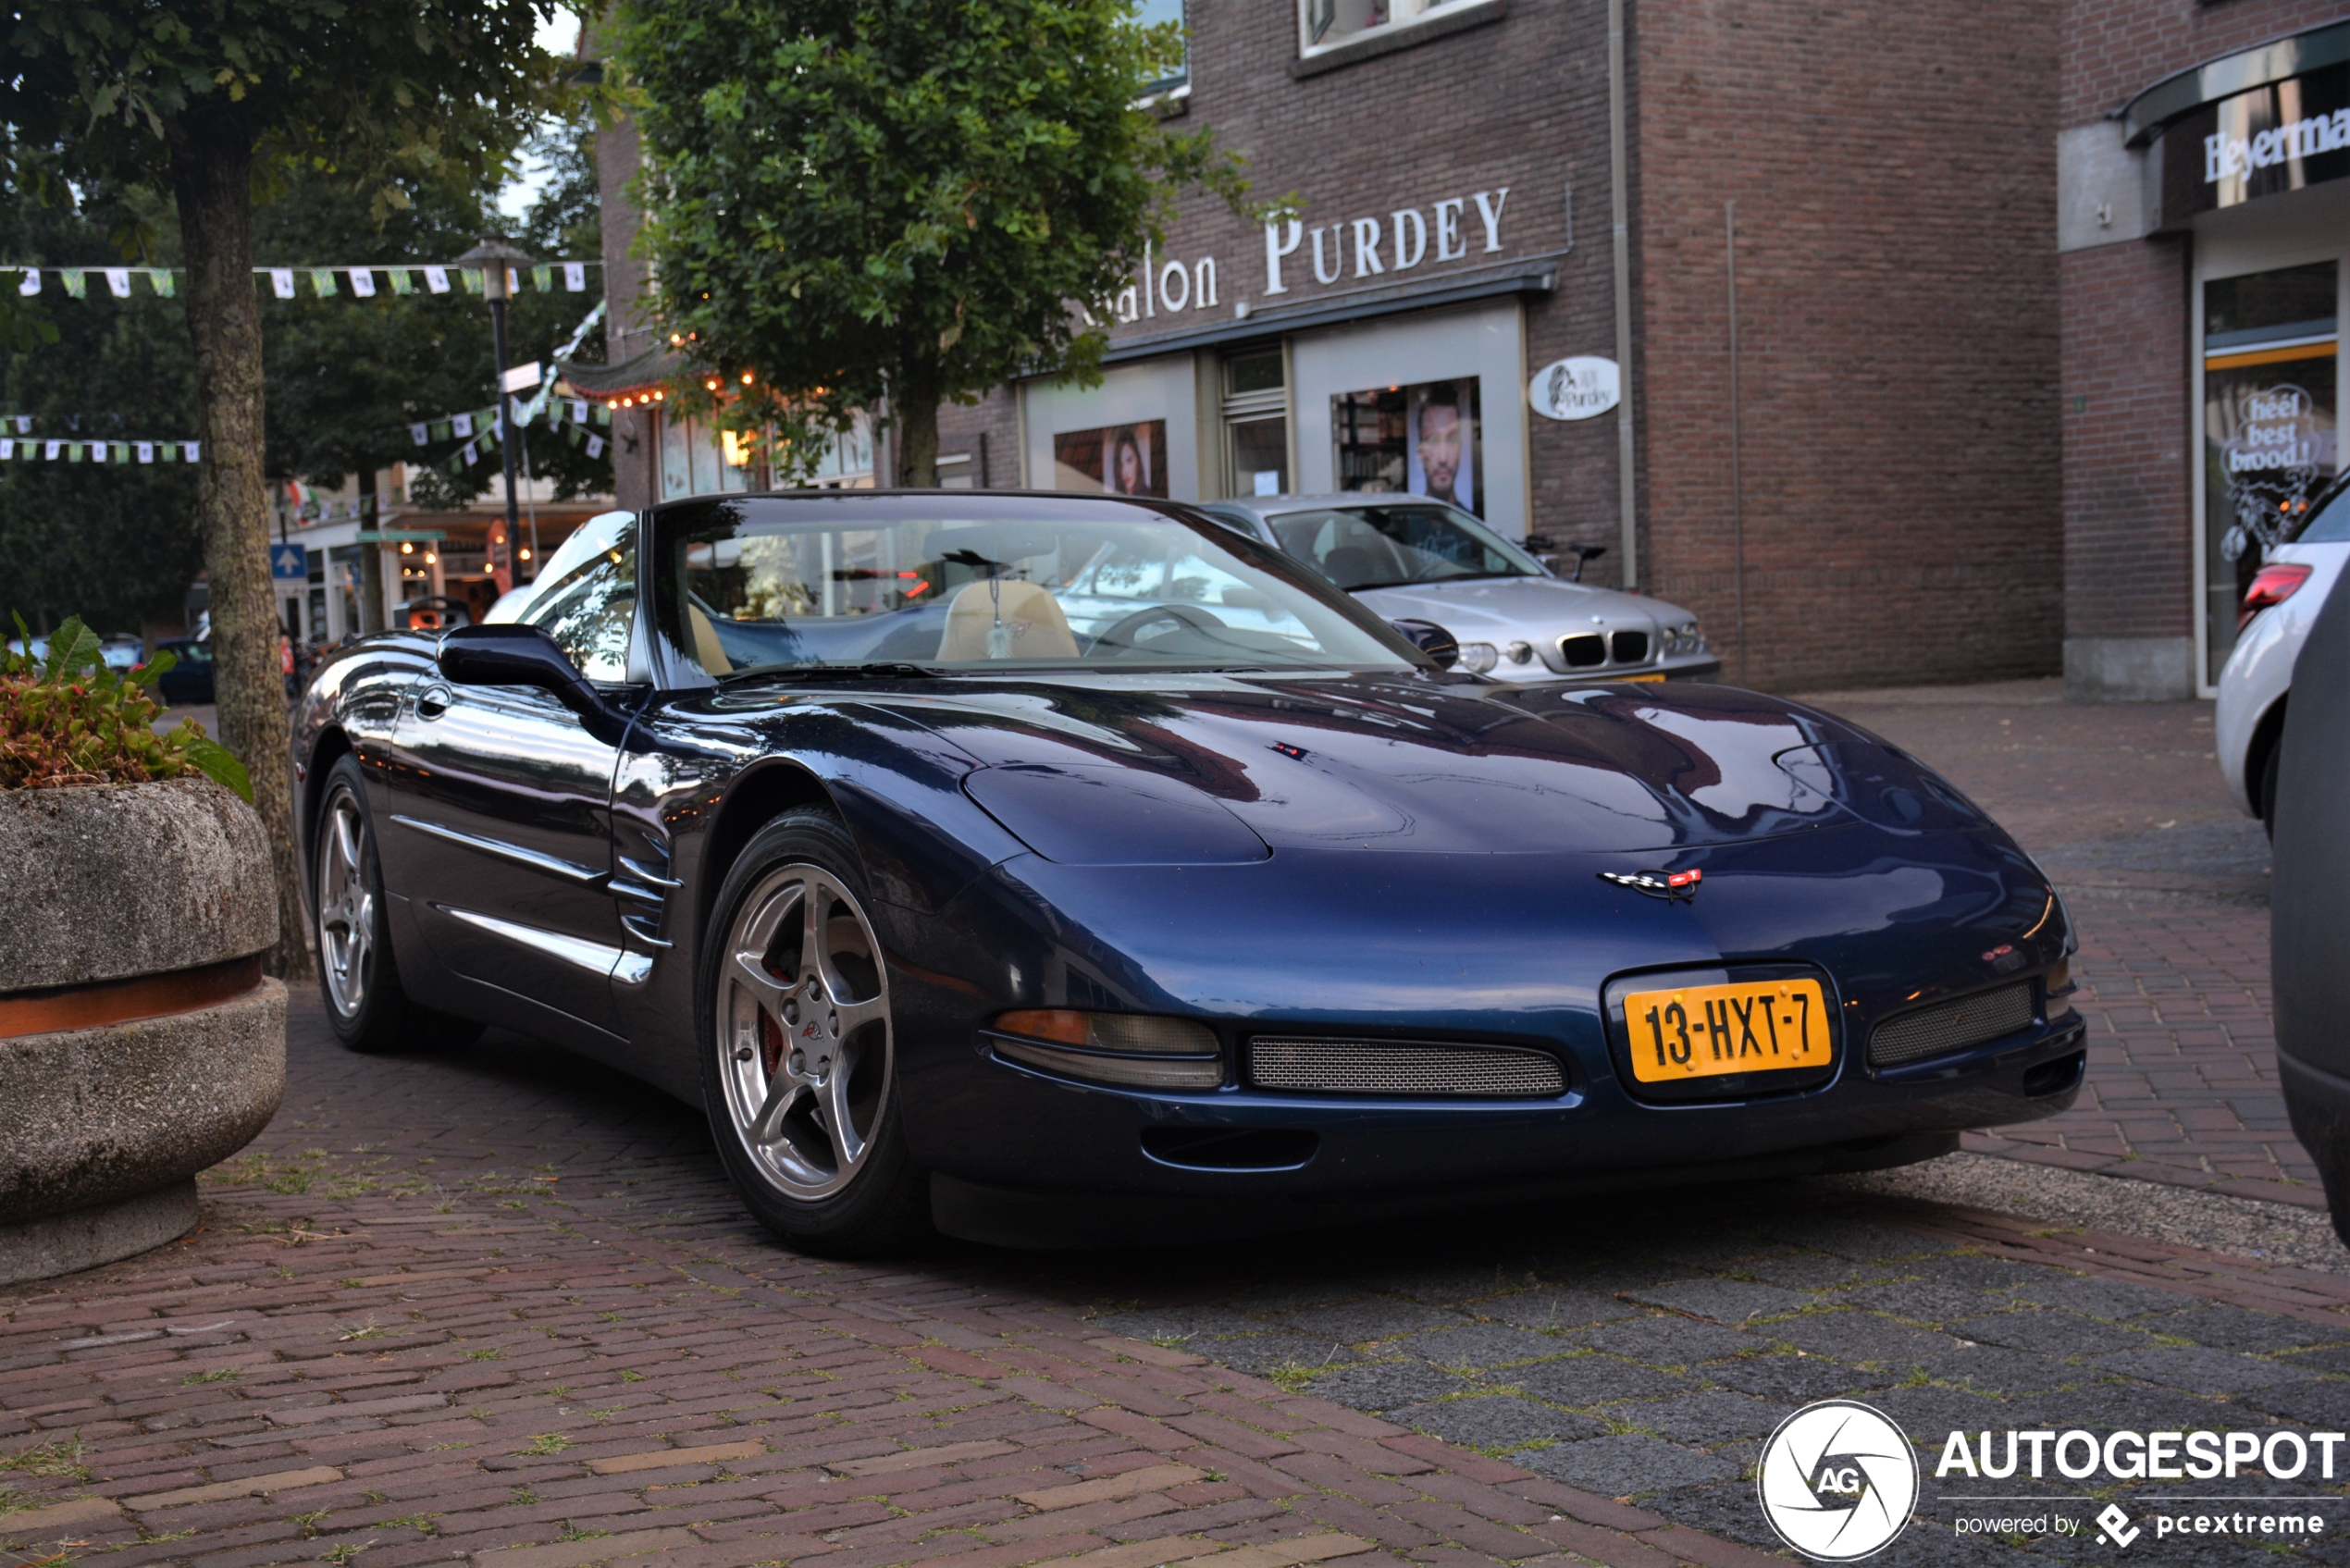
<point>1383,246</point>
<point>1575,388</point>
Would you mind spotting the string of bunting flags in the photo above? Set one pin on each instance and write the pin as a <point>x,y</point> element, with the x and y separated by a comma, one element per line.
<point>42,449</point>
<point>478,428</point>
<point>326,282</point>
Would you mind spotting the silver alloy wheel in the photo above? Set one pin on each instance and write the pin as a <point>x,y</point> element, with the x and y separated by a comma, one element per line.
<point>804,1031</point>
<point>346,909</point>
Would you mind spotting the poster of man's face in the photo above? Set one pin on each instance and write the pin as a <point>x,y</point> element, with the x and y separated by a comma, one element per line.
<point>1123,460</point>
<point>1441,438</point>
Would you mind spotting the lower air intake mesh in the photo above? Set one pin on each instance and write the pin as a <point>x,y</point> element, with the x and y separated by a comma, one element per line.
<point>1954,1026</point>
<point>1402,1067</point>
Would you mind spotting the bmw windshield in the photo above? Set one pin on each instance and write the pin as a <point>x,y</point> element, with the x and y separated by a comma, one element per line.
<point>761,585</point>
<point>1389,545</point>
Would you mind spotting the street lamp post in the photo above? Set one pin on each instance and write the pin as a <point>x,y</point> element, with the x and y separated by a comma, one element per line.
<point>498,260</point>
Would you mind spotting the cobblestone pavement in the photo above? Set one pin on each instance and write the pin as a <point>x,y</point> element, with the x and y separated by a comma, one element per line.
<point>2168,884</point>
<point>498,1307</point>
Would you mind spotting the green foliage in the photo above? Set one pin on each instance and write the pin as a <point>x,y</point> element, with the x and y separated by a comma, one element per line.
<point>345,378</point>
<point>117,542</point>
<point>853,198</point>
<point>68,720</point>
<point>364,90</point>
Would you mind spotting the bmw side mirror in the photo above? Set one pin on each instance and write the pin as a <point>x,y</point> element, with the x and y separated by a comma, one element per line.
<point>1431,639</point>
<point>505,654</point>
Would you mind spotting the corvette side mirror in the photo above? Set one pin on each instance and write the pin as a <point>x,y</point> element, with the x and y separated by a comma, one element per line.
<point>508,655</point>
<point>1432,640</point>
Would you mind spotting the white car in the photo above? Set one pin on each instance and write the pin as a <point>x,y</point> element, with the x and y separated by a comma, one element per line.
<point>2283,600</point>
<point>1411,558</point>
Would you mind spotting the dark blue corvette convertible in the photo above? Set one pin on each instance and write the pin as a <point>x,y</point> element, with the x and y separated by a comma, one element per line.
<point>1055,868</point>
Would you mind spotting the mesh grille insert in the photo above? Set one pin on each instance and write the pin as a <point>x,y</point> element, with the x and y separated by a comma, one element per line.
<point>1953,1026</point>
<point>1402,1067</point>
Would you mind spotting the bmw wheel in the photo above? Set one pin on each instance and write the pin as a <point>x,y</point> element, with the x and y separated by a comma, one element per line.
<point>801,1048</point>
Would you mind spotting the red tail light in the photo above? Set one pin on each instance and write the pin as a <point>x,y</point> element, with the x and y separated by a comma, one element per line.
<point>2273,584</point>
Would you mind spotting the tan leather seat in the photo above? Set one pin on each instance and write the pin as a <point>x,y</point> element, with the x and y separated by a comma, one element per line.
<point>1031,617</point>
<point>707,653</point>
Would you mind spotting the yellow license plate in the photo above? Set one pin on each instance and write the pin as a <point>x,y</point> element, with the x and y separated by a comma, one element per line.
<point>1704,1030</point>
<point>1635,678</point>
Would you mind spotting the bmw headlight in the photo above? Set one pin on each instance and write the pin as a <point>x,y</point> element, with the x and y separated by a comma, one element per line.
<point>1478,657</point>
<point>1682,639</point>
<point>1124,1048</point>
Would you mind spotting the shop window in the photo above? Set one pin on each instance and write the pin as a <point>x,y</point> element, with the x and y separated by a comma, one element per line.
<point>1121,459</point>
<point>696,459</point>
<point>2270,348</point>
<point>1257,423</point>
<point>1326,24</point>
<point>1157,13</point>
<point>1422,440</point>
<point>847,462</point>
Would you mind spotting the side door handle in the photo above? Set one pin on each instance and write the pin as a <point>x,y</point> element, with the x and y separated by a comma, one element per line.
<point>433,701</point>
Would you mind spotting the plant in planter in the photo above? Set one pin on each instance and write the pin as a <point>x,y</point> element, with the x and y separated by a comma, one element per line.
<point>138,1040</point>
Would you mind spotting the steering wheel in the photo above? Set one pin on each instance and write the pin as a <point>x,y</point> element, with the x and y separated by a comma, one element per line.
<point>1119,635</point>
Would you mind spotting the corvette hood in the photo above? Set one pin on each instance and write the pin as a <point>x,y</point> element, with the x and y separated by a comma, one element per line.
<point>1129,771</point>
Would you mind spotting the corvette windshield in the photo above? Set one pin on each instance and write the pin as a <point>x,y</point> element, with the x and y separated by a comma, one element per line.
<point>763,585</point>
<point>1386,546</point>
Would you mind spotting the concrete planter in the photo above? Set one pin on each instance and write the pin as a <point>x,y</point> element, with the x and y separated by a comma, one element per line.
<point>138,1040</point>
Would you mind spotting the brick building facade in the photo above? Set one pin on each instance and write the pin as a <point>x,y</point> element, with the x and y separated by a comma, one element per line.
<point>1488,189</point>
<point>2202,227</point>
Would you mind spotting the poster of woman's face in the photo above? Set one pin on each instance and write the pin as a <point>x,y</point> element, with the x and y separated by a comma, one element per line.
<point>1122,460</point>
<point>1440,441</point>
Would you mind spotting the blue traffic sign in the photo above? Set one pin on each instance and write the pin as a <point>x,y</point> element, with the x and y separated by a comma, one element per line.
<point>289,563</point>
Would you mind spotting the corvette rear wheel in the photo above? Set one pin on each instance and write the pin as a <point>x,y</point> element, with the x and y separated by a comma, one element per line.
<point>801,1048</point>
<point>366,1005</point>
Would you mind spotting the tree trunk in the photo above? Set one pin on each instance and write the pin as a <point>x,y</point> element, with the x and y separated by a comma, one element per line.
<point>211,183</point>
<point>371,556</point>
<point>914,404</point>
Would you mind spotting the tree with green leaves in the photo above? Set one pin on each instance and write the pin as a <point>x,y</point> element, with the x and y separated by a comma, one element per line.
<point>116,544</point>
<point>859,202</point>
<point>201,100</point>
<point>348,377</point>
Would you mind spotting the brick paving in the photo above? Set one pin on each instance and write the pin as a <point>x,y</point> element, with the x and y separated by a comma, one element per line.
<point>499,1307</point>
<point>2167,884</point>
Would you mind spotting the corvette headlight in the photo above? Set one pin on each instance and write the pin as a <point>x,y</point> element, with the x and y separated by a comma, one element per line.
<point>2059,989</point>
<point>1478,657</point>
<point>1129,1048</point>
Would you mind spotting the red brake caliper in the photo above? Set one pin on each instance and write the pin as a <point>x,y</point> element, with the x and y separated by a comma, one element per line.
<point>771,1041</point>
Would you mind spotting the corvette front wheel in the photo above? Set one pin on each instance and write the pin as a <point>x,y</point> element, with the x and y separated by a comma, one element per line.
<point>800,1048</point>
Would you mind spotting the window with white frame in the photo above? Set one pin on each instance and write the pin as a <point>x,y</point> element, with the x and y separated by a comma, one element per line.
<point>1326,24</point>
<point>1155,13</point>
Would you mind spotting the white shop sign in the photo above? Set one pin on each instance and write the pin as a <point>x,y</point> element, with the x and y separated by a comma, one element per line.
<point>1575,388</point>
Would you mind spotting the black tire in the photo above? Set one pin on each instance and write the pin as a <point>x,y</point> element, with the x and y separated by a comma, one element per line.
<point>2265,790</point>
<point>368,1010</point>
<point>850,1194</point>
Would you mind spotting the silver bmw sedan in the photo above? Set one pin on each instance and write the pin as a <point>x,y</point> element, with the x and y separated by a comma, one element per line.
<point>1412,559</point>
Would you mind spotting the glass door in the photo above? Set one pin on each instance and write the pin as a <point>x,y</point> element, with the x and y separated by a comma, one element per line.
<point>2269,347</point>
<point>1256,424</point>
